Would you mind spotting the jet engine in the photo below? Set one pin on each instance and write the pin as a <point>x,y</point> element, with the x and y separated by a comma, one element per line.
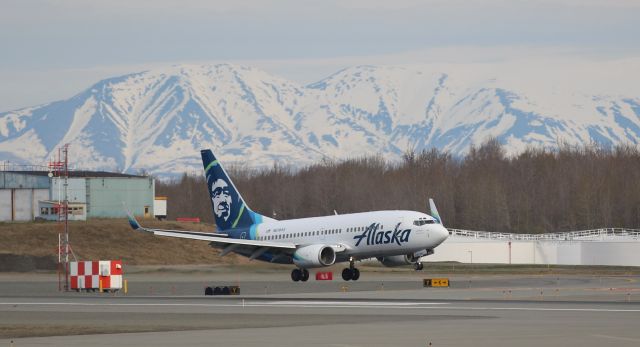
<point>314,256</point>
<point>397,260</point>
<point>400,260</point>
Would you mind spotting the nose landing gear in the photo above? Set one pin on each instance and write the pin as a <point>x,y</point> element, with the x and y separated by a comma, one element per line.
<point>351,273</point>
<point>300,275</point>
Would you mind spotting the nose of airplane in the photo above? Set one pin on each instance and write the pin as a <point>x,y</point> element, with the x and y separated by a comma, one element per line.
<point>442,233</point>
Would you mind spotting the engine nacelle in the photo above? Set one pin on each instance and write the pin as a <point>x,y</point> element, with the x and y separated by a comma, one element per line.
<point>398,260</point>
<point>314,256</point>
<point>405,259</point>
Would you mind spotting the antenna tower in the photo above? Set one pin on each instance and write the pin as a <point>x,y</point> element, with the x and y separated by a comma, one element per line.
<point>59,169</point>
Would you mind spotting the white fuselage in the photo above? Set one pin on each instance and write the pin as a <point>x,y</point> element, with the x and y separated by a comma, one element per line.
<point>359,235</point>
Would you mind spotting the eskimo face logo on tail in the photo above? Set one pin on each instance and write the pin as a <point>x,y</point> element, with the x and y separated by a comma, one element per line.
<point>221,197</point>
<point>372,236</point>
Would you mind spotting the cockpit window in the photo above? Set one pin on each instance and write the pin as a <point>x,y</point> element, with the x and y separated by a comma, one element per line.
<point>423,221</point>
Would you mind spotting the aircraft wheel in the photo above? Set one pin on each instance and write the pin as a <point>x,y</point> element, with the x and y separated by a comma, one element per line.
<point>355,274</point>
<point>418,266</point>
<point>296,275</point>
<point>305,275</point>
<point>347,274</point>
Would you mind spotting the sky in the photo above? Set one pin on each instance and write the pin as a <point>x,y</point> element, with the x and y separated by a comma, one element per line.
<point>53,49</point>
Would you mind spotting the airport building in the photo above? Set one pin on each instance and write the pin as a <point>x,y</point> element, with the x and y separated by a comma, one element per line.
<point>607,246</point>
<point>27,195</point>
<point>20,193</point>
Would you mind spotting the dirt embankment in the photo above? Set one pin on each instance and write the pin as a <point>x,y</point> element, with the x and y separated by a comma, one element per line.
<point>33,246</point>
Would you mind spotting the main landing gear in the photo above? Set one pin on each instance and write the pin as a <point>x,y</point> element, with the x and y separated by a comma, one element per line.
<point>418,266</point>
<point>351,273</point>
<point>300,275</point>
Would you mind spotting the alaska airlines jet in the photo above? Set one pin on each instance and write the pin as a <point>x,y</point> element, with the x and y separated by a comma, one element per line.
<point>395,238</point>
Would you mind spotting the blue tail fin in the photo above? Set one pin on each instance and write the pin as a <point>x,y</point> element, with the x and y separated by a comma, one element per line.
<point>229,209</point>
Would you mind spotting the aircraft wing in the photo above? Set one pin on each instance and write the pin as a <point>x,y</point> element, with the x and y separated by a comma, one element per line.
<point>221,240</point>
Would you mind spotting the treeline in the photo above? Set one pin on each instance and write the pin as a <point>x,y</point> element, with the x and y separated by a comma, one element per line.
<point>573,188</point>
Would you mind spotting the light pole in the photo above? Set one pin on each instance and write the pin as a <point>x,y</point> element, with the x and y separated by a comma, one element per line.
<point>471,255</point>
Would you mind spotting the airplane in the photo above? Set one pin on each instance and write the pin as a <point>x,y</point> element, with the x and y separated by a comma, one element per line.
<point>395,238</point>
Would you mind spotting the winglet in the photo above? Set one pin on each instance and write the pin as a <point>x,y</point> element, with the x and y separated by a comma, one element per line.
<point>132,220</point>
<point>434,211</point>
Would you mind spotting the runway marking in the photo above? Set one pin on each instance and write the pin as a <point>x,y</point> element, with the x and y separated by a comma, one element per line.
<point>321,305</point>
<point>620,338</point>
<point>353,303</point>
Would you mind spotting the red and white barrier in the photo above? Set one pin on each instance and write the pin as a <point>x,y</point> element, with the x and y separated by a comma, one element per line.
<point>88,274</point>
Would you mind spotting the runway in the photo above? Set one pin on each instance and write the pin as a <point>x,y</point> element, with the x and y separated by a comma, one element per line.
<point>579,314</point>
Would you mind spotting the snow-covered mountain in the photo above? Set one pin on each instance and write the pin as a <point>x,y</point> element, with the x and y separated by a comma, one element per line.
<point>158,120</point>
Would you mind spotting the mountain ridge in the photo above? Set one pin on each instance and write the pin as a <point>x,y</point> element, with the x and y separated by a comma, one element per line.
<point>157,120</point>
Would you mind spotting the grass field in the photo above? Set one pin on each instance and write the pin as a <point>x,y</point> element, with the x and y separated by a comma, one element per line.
<point>111,239</point>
